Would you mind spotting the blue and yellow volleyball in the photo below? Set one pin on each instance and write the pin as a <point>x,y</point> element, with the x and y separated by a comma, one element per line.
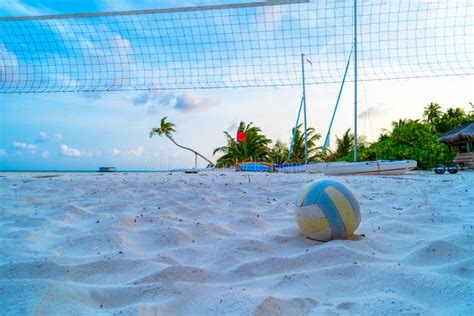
<point>327,210</point>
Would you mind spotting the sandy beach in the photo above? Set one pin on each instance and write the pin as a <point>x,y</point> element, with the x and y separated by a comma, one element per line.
<point>227,243</point>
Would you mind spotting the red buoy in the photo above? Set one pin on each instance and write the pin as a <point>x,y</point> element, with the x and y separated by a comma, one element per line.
<point>241,136</point>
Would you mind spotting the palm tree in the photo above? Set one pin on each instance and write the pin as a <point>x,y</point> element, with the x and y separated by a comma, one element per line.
<point>278,153</point>
<point>454,117</point>
<point>345,144</point>
<point>254,148</point>
<point>401,122</point>
<point>167,129</point>
<point>298,150</point>
<point>432,112</point>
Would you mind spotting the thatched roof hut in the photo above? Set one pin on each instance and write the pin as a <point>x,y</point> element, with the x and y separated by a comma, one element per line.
<point>461,140</point>
<point>464,133</point>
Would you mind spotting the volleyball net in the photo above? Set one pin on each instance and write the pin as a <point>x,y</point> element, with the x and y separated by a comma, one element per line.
<point>252,44</point>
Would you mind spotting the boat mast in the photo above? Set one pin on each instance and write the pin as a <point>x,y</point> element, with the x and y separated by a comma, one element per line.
<point>326,141</point>
<point>304,105</point>
<point>355,80</point>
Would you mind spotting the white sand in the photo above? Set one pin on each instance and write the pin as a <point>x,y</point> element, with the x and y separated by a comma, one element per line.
<point>214,244</point>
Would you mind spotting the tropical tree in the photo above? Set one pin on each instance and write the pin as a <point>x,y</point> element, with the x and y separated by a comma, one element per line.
<point>298,149</point>
<point>401,122</point>
<point>344,145</point>
<point>254,148</point>
<point>278,153</point>
<point>432,113</point>
<point>167,129</point>
<point>454,117</point>
<point>412,140</point>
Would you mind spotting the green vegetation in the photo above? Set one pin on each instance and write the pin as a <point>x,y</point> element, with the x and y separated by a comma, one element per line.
<point>314,152</point>
<point>255,148</point>
<point>408,139</point>
<point>278,153</point>
<point>440,122</point>
<point>418,140</point>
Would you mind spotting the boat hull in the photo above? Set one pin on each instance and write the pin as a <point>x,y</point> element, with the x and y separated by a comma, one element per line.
<point>364,168</point>
<point>291,168</point>
<point>255,167</point>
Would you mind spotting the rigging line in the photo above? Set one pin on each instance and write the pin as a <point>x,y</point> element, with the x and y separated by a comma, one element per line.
<point>337,101</point>
<point>296,127</point>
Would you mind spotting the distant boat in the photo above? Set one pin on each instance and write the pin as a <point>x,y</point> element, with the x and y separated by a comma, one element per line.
<point>363,168</point>
<point>291,168</point>
<point>254,167</point>
<point>191,171</point>
<point>107,169</point>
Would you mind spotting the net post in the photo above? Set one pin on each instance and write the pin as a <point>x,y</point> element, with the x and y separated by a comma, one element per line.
<point>355,80</point>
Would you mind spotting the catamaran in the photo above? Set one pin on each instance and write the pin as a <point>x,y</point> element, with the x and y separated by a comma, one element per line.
<point>345,168</point>
<point>363,167</point>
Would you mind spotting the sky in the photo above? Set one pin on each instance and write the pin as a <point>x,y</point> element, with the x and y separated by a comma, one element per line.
<point>84,131</point>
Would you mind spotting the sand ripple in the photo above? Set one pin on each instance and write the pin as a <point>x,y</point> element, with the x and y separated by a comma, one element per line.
<point>227,243</point>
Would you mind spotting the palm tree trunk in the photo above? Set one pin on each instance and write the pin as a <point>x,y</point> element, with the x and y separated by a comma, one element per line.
<point>195,152</point>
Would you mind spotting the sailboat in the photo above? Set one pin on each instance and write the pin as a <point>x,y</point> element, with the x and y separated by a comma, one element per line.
<point>363,167</point>
<point>347,168</point>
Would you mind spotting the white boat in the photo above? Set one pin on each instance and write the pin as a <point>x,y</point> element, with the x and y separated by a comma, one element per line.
<point>364,167</point>
<point>316,167</point>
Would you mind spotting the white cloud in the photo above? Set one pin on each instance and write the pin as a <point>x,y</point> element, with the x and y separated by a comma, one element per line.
<point>134,152</point>
<point>373,112</point>
<point>190,101</point>
<point>116,152</point>
<point>57,137</point>
<point>123,45</point>
<point>25,146</point>
<point>45,154</point>
<point>43,137</point>
<point>9,66</point>
<point>138,152</point>
<point>70,152</point>
<point>3,153</point>
<point>155,101</point>
<point>90,153</point>
<point>270,19</point>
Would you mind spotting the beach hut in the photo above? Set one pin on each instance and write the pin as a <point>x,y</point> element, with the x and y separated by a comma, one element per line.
<point>107,169</point>
<point>461,140</point>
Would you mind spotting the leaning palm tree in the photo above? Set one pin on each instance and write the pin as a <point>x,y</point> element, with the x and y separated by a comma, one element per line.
<point>167,129</point>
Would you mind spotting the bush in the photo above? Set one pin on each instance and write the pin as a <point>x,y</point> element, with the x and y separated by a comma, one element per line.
<point>410,140</point>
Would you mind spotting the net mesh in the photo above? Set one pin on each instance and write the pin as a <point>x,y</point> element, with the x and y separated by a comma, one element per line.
<point>230,46</point>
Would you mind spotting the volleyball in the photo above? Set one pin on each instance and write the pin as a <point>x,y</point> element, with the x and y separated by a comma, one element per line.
<point>326,210</point>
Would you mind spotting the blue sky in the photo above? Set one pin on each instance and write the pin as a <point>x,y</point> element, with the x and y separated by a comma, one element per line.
<point>83,131</point>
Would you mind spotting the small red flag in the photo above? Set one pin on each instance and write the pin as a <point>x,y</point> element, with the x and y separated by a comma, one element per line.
<point>241,136</point>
